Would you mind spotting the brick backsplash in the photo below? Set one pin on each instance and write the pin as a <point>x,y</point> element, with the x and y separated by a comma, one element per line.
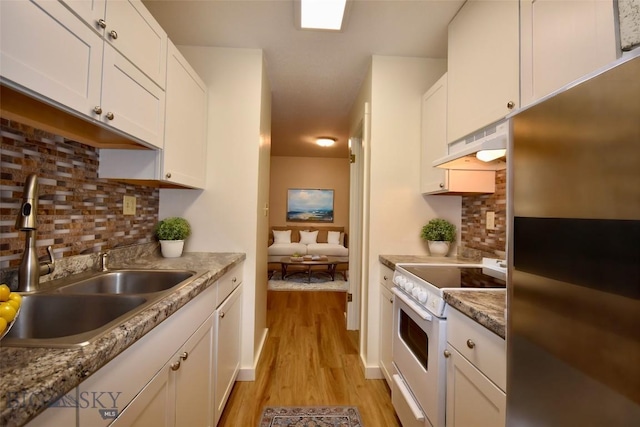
<point>474,234</point>
<point>78,213</point>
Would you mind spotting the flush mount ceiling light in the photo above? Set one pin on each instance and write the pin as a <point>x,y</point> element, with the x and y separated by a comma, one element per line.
<point>325,142</point>
<point>322,14</point>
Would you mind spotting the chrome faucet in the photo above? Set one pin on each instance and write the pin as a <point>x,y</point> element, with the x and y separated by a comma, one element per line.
<point>30,268</point>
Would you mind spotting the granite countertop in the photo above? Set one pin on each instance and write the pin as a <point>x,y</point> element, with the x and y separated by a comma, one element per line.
<point>485,306</point>
<point>33,378</point>
<point>391,260</point>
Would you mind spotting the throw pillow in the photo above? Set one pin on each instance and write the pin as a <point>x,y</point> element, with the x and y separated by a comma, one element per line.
<point>333,238</point>
<point>281,236</point>
<point>308,237</point>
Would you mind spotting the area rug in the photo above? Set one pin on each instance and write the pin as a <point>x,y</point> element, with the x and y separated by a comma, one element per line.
<point>298,282</point>
<point>310,416</point>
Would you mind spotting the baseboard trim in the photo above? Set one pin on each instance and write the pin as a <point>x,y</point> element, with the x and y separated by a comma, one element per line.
<point>371,372</point>
<point>249,374</point>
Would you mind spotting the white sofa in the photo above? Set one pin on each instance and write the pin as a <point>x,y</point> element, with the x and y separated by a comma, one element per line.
<point>287,241</point>
<point>293,242</point>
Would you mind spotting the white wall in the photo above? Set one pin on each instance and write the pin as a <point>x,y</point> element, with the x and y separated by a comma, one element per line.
<point>228,215</point>
<point>396,208</point>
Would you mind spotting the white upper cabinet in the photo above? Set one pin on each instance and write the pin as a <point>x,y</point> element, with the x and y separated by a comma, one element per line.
<point>185,136</point>
<point>130,28</point>
<point>562,41</point>
<point>182,162</point>
<point>67,64</point>
<point>483,65</point>
<point>137,35</point>
<point>434,145</point>
<point>130,101</point>
<point>60,63</point>
<point>90,11</point>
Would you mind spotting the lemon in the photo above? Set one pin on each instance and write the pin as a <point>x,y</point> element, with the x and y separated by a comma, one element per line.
<point>14,296</point>
<point>3,325</point>
<point>4,292</point>
<point>7,312</point>
<point>13,303</point>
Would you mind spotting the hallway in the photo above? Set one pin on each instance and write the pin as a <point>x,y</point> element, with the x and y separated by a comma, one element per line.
<point>309,359</point>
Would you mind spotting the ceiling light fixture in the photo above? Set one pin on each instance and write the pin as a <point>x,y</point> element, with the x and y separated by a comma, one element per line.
<point>322,14</point>
<point>325,142</point>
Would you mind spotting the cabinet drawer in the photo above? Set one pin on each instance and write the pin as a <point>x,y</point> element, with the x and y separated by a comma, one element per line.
<point>228,282</point>
<point>483,348</point>
<point>386,276</point>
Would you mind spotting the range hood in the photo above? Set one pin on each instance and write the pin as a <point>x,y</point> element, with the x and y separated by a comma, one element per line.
<point>462,153</point>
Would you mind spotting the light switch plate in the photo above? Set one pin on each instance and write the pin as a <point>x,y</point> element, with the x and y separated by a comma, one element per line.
<point>491,220</point>
<point>129,205</point>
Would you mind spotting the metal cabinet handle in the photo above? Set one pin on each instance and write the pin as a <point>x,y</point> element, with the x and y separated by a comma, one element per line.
<point>447,354</point>
<point>391,300</point>
<point>470,343</point>
<point>102,23</point>
<point>168,175</point>
<point>110,115</point>
<point>385,278</point>
<point>97,109</point>
<point>222,315</point>
<point>510,105</point>
<point>184,356</point>
<point>442,185</point>
<point>234,280</point>
<point>113,34</point>
<point>175,366</point>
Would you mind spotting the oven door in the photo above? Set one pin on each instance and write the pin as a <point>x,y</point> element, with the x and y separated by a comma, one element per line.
<point>418,344</point>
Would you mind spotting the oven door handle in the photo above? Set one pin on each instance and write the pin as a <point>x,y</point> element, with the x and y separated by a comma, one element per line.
<point>408,397</point>
<point>424,314</point>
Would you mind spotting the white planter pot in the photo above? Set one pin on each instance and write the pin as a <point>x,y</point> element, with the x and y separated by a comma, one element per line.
<point>171,248</point>
<point>438,248</point>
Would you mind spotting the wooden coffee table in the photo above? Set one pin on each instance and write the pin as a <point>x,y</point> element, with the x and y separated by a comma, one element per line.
<point>306,266</point>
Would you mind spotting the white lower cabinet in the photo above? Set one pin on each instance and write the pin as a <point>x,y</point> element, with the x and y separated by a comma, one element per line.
<point>386,332</point>
<point>476,374</point>
<point>179,374</point>
<point>226,350</point>
<point>180,394</point>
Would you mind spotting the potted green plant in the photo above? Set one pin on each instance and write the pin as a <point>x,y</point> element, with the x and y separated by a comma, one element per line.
<point>439,233</point>
<point>171,232</point>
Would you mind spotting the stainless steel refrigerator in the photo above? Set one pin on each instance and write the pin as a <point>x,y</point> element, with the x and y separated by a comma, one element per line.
<point>573,337</point>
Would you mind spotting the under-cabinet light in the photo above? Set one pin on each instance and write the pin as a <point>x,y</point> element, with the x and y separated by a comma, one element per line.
<point>489,155</point>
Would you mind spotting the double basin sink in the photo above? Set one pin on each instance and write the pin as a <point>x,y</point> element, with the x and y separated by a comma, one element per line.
<point>80,309</point>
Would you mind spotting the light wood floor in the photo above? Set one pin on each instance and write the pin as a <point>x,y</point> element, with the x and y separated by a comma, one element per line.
<point>309,359</point>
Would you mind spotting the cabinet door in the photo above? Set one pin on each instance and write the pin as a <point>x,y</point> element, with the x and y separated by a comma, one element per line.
<point>133,31</point>
<point>472,399</point>
<point>185,136</point>
<point>434,137</point>
<point>562,41</point>
<point>386,334</point>
<point>130,101</point>
<point>63,412</point>
<point>483,65</point>
<point>193,403</point>
<point>152,406</point>
<point>90,11</point>
<point>61,62</point>
<point>228,323</point>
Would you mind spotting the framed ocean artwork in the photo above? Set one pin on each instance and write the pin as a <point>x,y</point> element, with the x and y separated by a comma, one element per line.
<point>309,205</point>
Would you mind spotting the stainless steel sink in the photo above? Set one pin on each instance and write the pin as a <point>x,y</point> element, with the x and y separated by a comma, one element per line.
<point>128,282</point>
<point>69,320</point>
<point>77,310</point>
